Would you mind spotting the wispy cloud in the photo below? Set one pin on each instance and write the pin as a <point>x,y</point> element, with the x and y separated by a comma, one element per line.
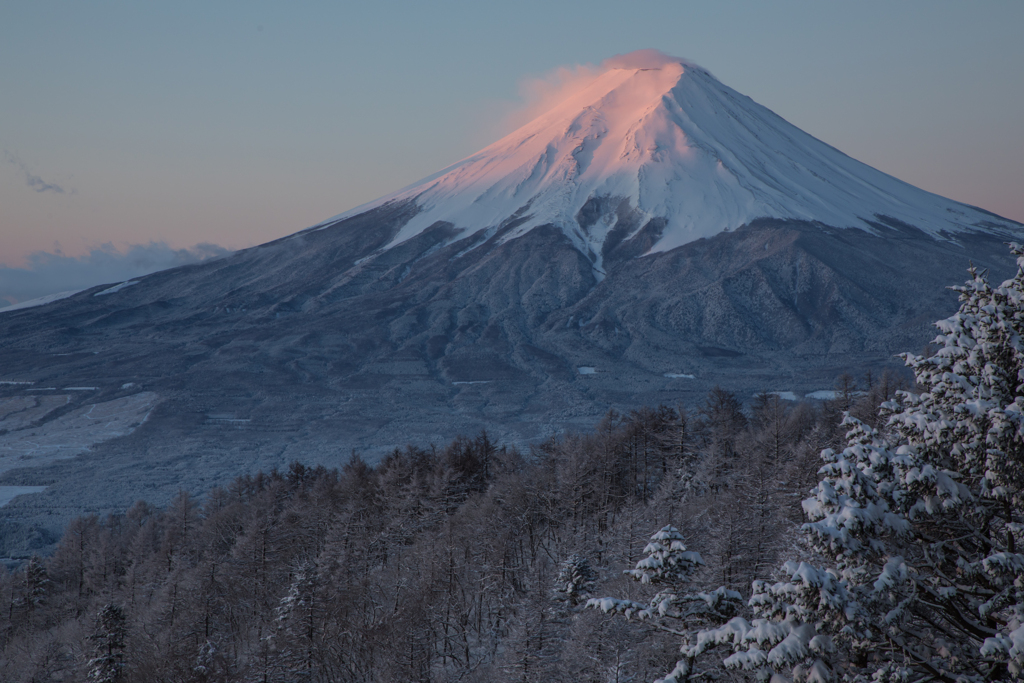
<point>539,94</point>
<point>31,179</point>
<point>52,272</point>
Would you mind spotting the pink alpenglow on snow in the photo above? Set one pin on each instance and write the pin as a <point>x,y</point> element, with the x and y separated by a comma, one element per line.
<point>666,136</point>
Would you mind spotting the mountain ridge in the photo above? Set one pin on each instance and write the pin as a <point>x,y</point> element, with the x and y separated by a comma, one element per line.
<point>678,147</point>
<point>355,335</point>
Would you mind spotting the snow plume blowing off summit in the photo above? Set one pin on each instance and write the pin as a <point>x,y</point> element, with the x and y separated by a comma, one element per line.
<point>653,149</point>
<point>542,93</point>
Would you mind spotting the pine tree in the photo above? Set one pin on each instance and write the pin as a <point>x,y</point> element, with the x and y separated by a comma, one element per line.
<point>37,582</point>
<point>670,566</point>
<point>918,524</point>
<point>914,572</point>
<point>575,580</point>
<point>107,666</point>
<point>298,625</point>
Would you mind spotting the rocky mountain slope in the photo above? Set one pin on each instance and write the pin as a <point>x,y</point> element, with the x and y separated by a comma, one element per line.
<point>655,235</point>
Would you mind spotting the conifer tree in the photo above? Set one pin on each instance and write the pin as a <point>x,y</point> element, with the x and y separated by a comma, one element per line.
<point>918,524</point>
<point>575,580</point>
<point>37,582</point>
<point>915,571</point>
<point>298,624</point>
<point>107,666</point>
<point>670,566</point>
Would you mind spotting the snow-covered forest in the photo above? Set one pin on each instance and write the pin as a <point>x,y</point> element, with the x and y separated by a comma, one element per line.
<point>438,564</point>
<point>872,537</point>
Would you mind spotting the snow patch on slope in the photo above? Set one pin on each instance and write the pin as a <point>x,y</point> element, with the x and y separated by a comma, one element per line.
<point>117,288</point>
<point>41,301</point>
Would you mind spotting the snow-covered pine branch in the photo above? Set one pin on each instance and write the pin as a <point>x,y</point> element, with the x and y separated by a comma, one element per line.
<point>920,523</point>
<point>917,526</point>
<point>669,565</point>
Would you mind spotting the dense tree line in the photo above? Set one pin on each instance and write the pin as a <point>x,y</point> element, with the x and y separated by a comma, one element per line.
<point>468,562</point>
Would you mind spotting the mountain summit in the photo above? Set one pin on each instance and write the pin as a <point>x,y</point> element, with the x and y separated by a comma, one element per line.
<point>655,149</point>
<point>652,236</point>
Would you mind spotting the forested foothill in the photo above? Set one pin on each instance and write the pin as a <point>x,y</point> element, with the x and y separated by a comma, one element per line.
<point>872,537</point>
<point>468,562</point>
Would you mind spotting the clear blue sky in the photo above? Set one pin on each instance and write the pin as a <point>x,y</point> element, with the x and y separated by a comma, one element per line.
<point>238,122</point>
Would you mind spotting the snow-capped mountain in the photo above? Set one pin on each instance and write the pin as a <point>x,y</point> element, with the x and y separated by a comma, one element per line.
<point>653,235</point>
<point>679,148</point>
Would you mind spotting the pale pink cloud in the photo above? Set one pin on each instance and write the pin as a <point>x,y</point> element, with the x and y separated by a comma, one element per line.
<point>541,93</point>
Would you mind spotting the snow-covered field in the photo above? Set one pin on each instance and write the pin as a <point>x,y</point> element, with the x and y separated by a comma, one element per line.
<point>9,493</point>
<point>31,441</point>
<point>823,395</point>
<point>820,395</point>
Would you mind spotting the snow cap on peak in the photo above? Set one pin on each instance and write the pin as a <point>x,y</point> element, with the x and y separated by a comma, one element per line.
<point>647,152</point>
